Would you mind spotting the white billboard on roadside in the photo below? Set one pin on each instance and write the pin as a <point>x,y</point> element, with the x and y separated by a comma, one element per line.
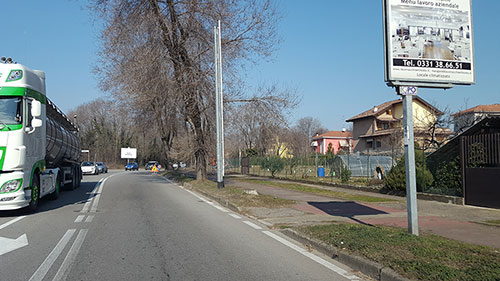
<point>129,153</point>
<point>428,42</point>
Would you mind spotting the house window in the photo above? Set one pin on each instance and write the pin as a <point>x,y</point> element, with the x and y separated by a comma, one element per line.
<point>385,126</point>
<point>379,144</point>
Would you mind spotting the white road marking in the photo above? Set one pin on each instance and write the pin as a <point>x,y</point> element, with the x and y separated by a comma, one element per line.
<point>235,216</point>
<point>97,196</point>
<point>89,219</point>
<point>80,218</point>
<point>217,207</point>
<point>9,245</point>
<point>86,207</point>
<point>70,258</point>
<point>252,225</point>
<point>317,259</point>
<point>51,258</point>
<point>12,222</point>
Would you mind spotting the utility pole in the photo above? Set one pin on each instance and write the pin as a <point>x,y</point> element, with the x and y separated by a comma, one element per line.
<point>219,106</point>
<point>411,184</point>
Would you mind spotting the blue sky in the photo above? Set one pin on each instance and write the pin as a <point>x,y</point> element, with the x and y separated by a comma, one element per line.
<point>332,53</point>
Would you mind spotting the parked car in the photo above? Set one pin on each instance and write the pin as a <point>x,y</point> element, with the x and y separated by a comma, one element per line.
<point>151,164</point>
<point>132,166</point>
<point>102,167</point>
<point>90,168</point>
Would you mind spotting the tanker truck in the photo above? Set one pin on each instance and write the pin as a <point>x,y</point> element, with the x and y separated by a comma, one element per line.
<point>39,147</point>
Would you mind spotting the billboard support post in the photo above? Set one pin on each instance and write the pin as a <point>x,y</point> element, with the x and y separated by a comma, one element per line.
<point>409,144</point>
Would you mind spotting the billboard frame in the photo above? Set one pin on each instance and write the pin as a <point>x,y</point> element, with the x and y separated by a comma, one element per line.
<point>395,79</point>
<point>124,150</point>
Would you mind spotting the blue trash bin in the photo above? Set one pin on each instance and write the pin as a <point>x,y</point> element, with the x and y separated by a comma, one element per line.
<point>321,172</point>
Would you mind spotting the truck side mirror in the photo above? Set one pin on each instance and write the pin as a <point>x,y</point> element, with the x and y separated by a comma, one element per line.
<point>36,123</point>
<point>36,109</point>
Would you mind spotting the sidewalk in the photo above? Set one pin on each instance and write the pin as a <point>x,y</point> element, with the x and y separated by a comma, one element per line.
<point>463,223</point>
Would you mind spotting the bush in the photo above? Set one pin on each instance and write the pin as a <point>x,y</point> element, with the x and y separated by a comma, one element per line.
<point>396,178</point>
<point>448,178</point>
<point>273,164</point>
<point>345,174</point>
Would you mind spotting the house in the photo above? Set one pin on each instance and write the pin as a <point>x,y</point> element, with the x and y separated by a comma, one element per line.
<point>334,141</point>
<point>464,119</point>
<point>379,129</point>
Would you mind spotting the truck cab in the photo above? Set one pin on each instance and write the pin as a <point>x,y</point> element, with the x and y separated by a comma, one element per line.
<point>24,175</point>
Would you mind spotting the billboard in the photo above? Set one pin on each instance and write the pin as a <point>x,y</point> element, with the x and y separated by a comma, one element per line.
<point>129,153</point>
<point>428,42</point>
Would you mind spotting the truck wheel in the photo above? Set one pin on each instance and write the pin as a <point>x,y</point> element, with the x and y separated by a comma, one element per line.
<point>54,195</point>
<point>35,193</point>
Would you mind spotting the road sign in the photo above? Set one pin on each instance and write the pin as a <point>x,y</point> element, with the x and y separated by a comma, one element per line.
<point>408,91</point>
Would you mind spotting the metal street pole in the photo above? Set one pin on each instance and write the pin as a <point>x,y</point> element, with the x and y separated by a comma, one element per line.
<point>219,106</point>
<point>411,184</point>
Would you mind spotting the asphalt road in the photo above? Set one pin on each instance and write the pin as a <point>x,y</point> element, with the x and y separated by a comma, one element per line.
<point>139,226</point>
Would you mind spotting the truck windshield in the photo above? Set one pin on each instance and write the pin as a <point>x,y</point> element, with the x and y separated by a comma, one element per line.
<point>10,110</point>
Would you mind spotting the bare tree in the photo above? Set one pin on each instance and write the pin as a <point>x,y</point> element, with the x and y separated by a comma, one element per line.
<point>305,129</point>
<point>158,55</point>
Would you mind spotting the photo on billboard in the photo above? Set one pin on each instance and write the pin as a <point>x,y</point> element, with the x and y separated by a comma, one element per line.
<point>429,41</point>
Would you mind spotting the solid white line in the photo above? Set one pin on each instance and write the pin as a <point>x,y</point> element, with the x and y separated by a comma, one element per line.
<point>235,216</point>
<point>317,259</point>
<point>12,222</point>
<point>51,258</point>
<point>252,225</point>
<point>89,219</point>
<point>70,258</point>
<point>80,218</point>
<point>97,196</point>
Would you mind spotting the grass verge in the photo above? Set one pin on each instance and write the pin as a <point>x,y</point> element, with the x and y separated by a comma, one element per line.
<point>320,191</point>
<point>495,222</point>
<point>425,257</point>
<point>235,195</point>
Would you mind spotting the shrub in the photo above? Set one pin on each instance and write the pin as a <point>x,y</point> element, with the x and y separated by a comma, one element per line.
<point>448,178</point>
<point>396,178</point>
<point>345,174</point>
<point>273,164</point>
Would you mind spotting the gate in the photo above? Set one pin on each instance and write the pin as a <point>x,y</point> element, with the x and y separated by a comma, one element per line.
<point>245,165</point>
<point>481,169</point>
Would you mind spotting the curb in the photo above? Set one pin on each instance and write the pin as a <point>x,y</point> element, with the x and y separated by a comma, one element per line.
<point>222,202</point>
<point>367,267</point>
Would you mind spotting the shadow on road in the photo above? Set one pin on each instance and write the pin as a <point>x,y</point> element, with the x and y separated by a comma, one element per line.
<point>348,209</point>
<point>79,196</point>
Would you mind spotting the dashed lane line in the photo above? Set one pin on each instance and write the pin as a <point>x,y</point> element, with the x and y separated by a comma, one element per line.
<point>89,219</point>
<point>235,216</point>
<point>11,222</point>
<point>317,259</point>
<point>79,218</point>
<point>86,207</point>
<point>253,225</point>
<point>70,258</point>
<point>51,258</point>
<point>98,196</point>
